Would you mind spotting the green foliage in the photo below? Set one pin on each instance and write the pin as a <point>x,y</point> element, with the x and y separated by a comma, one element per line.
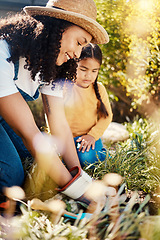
<point>132,58</point>
<point>136,159</point>
<point>140,126</point>
<point>111,15</point>
<point>126,224</point>
<point>118,219</point>
<point>37,225</point>
<point>38,113</point>
<point>150,228</point>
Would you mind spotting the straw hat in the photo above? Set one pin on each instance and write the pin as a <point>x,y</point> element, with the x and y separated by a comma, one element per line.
<point>80,12</point>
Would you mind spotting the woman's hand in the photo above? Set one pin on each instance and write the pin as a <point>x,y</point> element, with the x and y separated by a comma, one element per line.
<point>86,141</point>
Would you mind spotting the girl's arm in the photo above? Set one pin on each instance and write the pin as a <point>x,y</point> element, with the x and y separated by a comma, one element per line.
<point>17,114</point>
<point>54,108</point>
<point>88,140</point>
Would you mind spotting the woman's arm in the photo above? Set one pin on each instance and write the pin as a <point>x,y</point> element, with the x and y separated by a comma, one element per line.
<point>18,115</point>
<point>54,108</point>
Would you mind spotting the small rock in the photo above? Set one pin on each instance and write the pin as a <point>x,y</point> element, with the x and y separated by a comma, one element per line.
<point>114,133</point>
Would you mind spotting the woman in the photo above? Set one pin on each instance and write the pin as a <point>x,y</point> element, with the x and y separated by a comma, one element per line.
<point>87,107</point>
<point>35,48</point>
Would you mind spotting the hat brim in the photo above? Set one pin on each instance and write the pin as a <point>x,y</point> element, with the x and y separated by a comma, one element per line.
<point>98,33</point>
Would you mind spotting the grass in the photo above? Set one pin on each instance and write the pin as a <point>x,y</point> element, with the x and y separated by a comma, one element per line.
<point>137,161</point>
<point>118,220</point>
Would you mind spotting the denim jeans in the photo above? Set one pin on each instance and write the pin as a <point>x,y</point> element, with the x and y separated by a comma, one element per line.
<point>92,156</point>
<point>12,150</point>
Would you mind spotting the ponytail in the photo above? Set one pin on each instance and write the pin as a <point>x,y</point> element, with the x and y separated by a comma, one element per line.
<point>101,108</point>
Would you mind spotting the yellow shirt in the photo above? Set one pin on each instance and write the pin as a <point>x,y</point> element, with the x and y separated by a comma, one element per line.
<point>81,111</point>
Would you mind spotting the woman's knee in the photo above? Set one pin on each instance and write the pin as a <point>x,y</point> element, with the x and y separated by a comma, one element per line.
<point>13,178</point>
<point>11,169</point>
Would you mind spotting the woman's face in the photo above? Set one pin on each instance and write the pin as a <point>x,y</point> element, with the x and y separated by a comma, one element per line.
<point>87,72</point>
<point>73,39</point>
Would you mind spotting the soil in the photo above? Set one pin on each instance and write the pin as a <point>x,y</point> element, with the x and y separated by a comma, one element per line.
<point>153,204</point>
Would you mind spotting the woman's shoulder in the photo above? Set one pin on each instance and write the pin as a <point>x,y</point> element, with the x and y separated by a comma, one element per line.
<point>4,44</point>
<point>4,48</point>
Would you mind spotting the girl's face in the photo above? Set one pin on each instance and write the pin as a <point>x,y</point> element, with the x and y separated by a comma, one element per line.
<point>73,39</point>
<point>87,72</point>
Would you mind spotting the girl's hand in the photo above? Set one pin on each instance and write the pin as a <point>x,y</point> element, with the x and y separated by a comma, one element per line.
<point>87,141</point>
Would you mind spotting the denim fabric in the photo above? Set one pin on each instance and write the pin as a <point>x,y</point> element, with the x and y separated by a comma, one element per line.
<point>16,69</point>
<point>92,156</point>
<point>12,149</point>
<point>16,140</point>
<point>11,170</point>
<point>26,97</point>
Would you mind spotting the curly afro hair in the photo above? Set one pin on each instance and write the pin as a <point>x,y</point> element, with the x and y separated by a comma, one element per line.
<point>38,40</point>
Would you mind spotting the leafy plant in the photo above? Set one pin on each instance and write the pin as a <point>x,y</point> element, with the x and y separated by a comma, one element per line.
<point>135,159</point>
<point>150,228</point>
<point>118,220</point>
<point>131,61</point>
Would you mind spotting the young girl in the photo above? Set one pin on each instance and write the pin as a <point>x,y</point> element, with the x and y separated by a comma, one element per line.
<point>35,48</point>
<point>87,107</point>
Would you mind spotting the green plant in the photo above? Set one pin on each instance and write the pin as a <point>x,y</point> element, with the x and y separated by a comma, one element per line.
<point>150,228</point>
<point>135,159</point>
<point>131,61</point>
<point>123,222</point>
<point>118,220</point>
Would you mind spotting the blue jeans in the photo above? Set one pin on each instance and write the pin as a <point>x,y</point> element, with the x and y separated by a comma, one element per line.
<point>12,150</point>
<point>92,156</point>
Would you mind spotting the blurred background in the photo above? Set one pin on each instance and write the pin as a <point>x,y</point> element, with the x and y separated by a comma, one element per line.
<point>17,5</point>
<point>131,60</point>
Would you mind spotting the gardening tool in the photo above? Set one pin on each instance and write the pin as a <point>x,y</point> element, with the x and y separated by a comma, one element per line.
<point>56,207</point>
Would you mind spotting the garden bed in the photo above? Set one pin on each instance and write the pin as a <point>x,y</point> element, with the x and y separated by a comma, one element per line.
<point>134,216</point>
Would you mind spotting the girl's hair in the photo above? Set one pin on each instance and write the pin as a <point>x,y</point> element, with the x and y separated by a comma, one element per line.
<point>94,51</point>
<point>38,40</point>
